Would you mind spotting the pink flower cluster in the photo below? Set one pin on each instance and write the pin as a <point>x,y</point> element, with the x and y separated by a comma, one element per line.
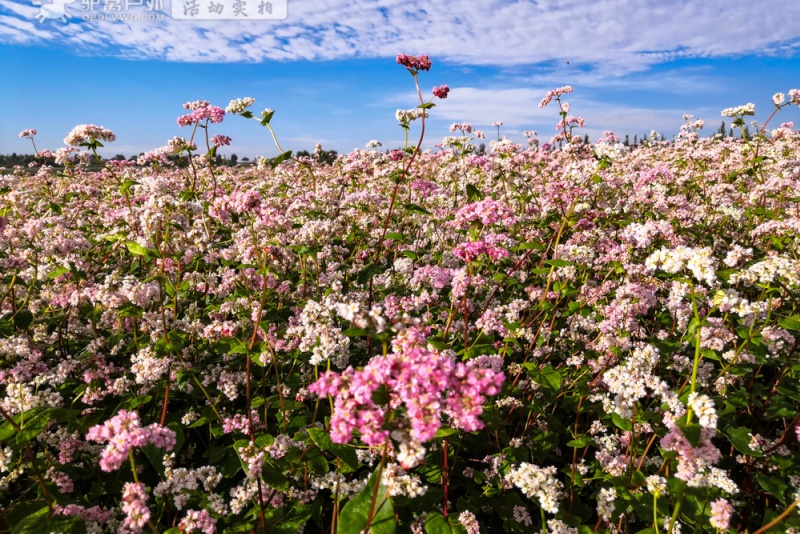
<point>30,132</point>
<point>441,91</point>
<point>490,245</point>
<point>413,376</point>
<point>220,140</point>
<point>692,461</point>
<point>95,513</point>
<point>555,93</point>
<point>201,110</point>
<point>123,433</point>
<point>414,63</point>
<point>195,520</point>
<point>134,497</point>
<point>487,211</point>
<point>721,511</point>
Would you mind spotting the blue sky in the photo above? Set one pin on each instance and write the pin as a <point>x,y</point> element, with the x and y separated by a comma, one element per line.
<point>328,68</point>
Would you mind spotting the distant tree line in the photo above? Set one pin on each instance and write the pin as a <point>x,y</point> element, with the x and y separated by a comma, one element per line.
<point>324,156</point>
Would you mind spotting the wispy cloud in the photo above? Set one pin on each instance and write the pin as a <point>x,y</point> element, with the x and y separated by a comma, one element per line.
<point>619,35</point>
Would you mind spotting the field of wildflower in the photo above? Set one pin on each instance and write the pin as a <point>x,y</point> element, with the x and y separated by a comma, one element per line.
<point>560,337</point>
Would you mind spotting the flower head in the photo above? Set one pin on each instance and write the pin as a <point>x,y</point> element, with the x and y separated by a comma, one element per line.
<point>30,132</point>
<point>221,140</point>
<point>134,499</point>
<point>122,433</point>
<point>740,111</point>
<point>441,91</point>
<point>239,105</point>
<point>554,93</point>
<point>414,63</point>
<point>721,511</point>
<point>87,133</point>
<point>201,110</point>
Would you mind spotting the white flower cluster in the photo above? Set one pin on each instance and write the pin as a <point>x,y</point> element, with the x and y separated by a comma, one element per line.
<point>457,142</point>
<point>23,397</point>
<point>319,336</point>
<point>729,300</point>
<point>539,482</point>
<point>239,105</point>
<point>398,483</point>
<point>281,446</point>
<point>5,459</point>
<point>656,485</point>
<point>148,367</point>
<point>612,151</point>
<point>740,111</point>
<point>179,482</point>
<point>556,526</point>
<point>698,260</point>
<point>84,133</point>
<point>605,502</point>
<point>522,516</point>
<point>469,522</point>
<point>405,116</point>
<point>736,255</point>
<point>410,452</point>
<point>361,318</point>
<point>703,407</point>
<point>337,484</point>
<point>768,271</point>
<point>627,381</point>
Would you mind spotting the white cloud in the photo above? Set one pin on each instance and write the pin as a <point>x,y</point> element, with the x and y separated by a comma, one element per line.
<point>619,35</point>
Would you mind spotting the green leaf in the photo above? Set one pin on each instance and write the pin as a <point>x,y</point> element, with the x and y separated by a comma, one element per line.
<point>426,105</point>
<point>445,432</point>
<point>55,273</point>
<point>23,319</point>
<point>354,331</point>
<point>774,485</point>
<point>691,431</point>
<point>266,116</point>
<point>740,439</point>
<point>621,423</point>
<point>127,184</point>
<point>136,249</point>
<point>580,442</point>
<point>473,193</point>
<point>416,208</point>
<point>353,517</point>
<point>40,522</point>
<point>559,263</point>
<point>35,424</point>
<point>277,160</point>
<point>436,523</point>
<point>790,323</point>
<point>343,452</point>
<point>553,378</point>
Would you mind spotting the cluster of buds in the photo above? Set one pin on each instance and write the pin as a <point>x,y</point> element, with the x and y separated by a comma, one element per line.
<point>414,64</point>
